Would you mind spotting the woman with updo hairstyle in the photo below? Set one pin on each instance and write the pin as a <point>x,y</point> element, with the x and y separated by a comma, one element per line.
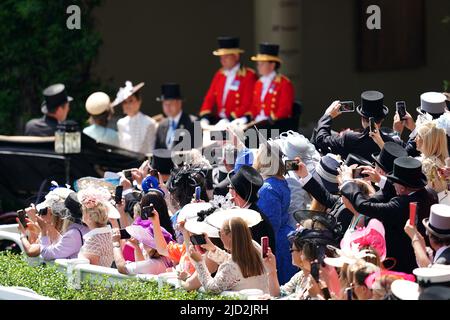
<point>432,143</point>
<point>97,247</point>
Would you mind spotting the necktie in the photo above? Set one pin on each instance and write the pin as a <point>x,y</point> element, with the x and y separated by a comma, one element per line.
<point>170,133</point>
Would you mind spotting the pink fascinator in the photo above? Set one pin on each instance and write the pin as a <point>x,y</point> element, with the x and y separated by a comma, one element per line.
<point>373,280</point>
<point>372,235</point>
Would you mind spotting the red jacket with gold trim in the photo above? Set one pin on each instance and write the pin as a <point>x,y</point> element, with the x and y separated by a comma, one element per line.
<point>239,98</point>
<point>278,101</point>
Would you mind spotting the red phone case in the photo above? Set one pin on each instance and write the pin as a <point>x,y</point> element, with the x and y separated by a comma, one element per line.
<point>265,245</point>
<point>412,213</point>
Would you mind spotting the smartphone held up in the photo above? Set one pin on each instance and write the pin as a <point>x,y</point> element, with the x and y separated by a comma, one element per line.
<point>347,106</point>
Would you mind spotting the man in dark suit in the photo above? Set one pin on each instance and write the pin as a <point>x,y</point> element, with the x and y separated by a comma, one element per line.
<point>244,187</point>
<point>178,132</point>
<point>361,144</point>
<point>410,185</point>
<point>383,166</point>
<point>432,104</point>
<point>55,109</point>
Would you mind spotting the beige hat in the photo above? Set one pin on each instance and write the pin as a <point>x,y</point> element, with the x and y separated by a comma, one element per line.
<point>97,103</point>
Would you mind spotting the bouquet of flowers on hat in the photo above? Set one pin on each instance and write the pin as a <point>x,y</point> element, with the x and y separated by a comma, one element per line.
<point>92,196</point>
<point>222,202</point>
<point>124,92</point>
<point>348,255</point>
<point>422,118</point>
<point>443,122</point>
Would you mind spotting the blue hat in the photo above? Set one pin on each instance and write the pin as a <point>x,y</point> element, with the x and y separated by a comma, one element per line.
<point>151,183</point>
<point>327,171</point>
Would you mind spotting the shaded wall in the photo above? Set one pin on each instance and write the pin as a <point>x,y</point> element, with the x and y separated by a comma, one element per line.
<point>156,41</point>
<point>328,60</point>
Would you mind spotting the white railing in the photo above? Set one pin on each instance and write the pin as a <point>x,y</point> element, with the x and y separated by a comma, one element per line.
<point>20,293</point>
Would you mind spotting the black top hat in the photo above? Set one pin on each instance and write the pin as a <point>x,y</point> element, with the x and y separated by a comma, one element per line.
<point>390,152</point>
<point>247,182</point>
<point>228,45</point>
<point>162,160</point>
<point>355,159</point>
<point>372,105</point>
<point>170,91</point>
<point>267,52</point>
<point>327,220</point>
<point>74,207</point>
<point>408,172</point>
<point>54,96</point>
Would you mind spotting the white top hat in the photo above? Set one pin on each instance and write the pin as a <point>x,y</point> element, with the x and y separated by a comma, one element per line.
<point>439,221</point>
<point>97,103</point>
<point>432,102</point>
<point>53,196</point>
<point>405,290</point>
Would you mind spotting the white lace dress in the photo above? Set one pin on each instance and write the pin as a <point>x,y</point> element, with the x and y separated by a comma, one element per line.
<point>98,242</point>
<point>229,276</point>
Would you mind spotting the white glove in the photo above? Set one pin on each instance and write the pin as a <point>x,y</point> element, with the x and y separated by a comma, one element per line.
<point>239,121</point>
<point>222,124</point>
<point>261,117</point>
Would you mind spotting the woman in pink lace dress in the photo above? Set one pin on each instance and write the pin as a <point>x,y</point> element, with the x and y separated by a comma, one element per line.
<point>98,246</point>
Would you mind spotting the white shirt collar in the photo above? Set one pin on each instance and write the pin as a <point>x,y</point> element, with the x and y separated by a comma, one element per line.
<point>96,231</point>
<point>233,70</point>
<point>177,117</point>
<point>439,252</point>
<point>268,78</point>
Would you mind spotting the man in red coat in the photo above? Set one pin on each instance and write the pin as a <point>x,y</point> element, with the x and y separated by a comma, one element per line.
<point>273,96</point>
<point>231,91</point>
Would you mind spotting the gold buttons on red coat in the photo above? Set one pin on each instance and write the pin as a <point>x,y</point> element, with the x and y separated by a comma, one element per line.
<point>273,99</point>
<point>263,105</point>
<point>274,93</point>
<point>237,101</point>
<point>237,95</point>
<point>273,106</point>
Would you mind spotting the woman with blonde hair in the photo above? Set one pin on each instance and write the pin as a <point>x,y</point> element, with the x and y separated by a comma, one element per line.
<point>98,246</point>
<point>432,143</point>
<point>242,269</point>
<point>274,201</point>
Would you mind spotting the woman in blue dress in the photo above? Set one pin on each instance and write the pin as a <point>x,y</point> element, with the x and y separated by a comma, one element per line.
<point>274,201</point>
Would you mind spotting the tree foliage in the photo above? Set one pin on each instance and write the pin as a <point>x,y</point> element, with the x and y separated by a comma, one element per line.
<point>37,49</point>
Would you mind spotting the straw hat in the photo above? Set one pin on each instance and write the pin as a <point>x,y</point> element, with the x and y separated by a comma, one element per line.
<point>97,103</point>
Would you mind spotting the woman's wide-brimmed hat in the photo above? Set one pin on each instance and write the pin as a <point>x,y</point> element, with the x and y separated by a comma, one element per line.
<point>438,222</point>
<point>99,194</point>
<point>408,172</point>
<point>267,52</point>
<point>126,92</point>
<point>373,235</point>
<point>228,45</point>
<point>57,194</point>
<point>142,230</point>
<point>194,215</point>
<point>217,219</point>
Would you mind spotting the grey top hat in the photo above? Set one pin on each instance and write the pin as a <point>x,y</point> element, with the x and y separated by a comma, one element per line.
<point>438,223</point>
<point>432,103</point>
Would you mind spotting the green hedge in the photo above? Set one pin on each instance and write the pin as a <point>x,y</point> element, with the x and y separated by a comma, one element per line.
<point>46,280</point>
